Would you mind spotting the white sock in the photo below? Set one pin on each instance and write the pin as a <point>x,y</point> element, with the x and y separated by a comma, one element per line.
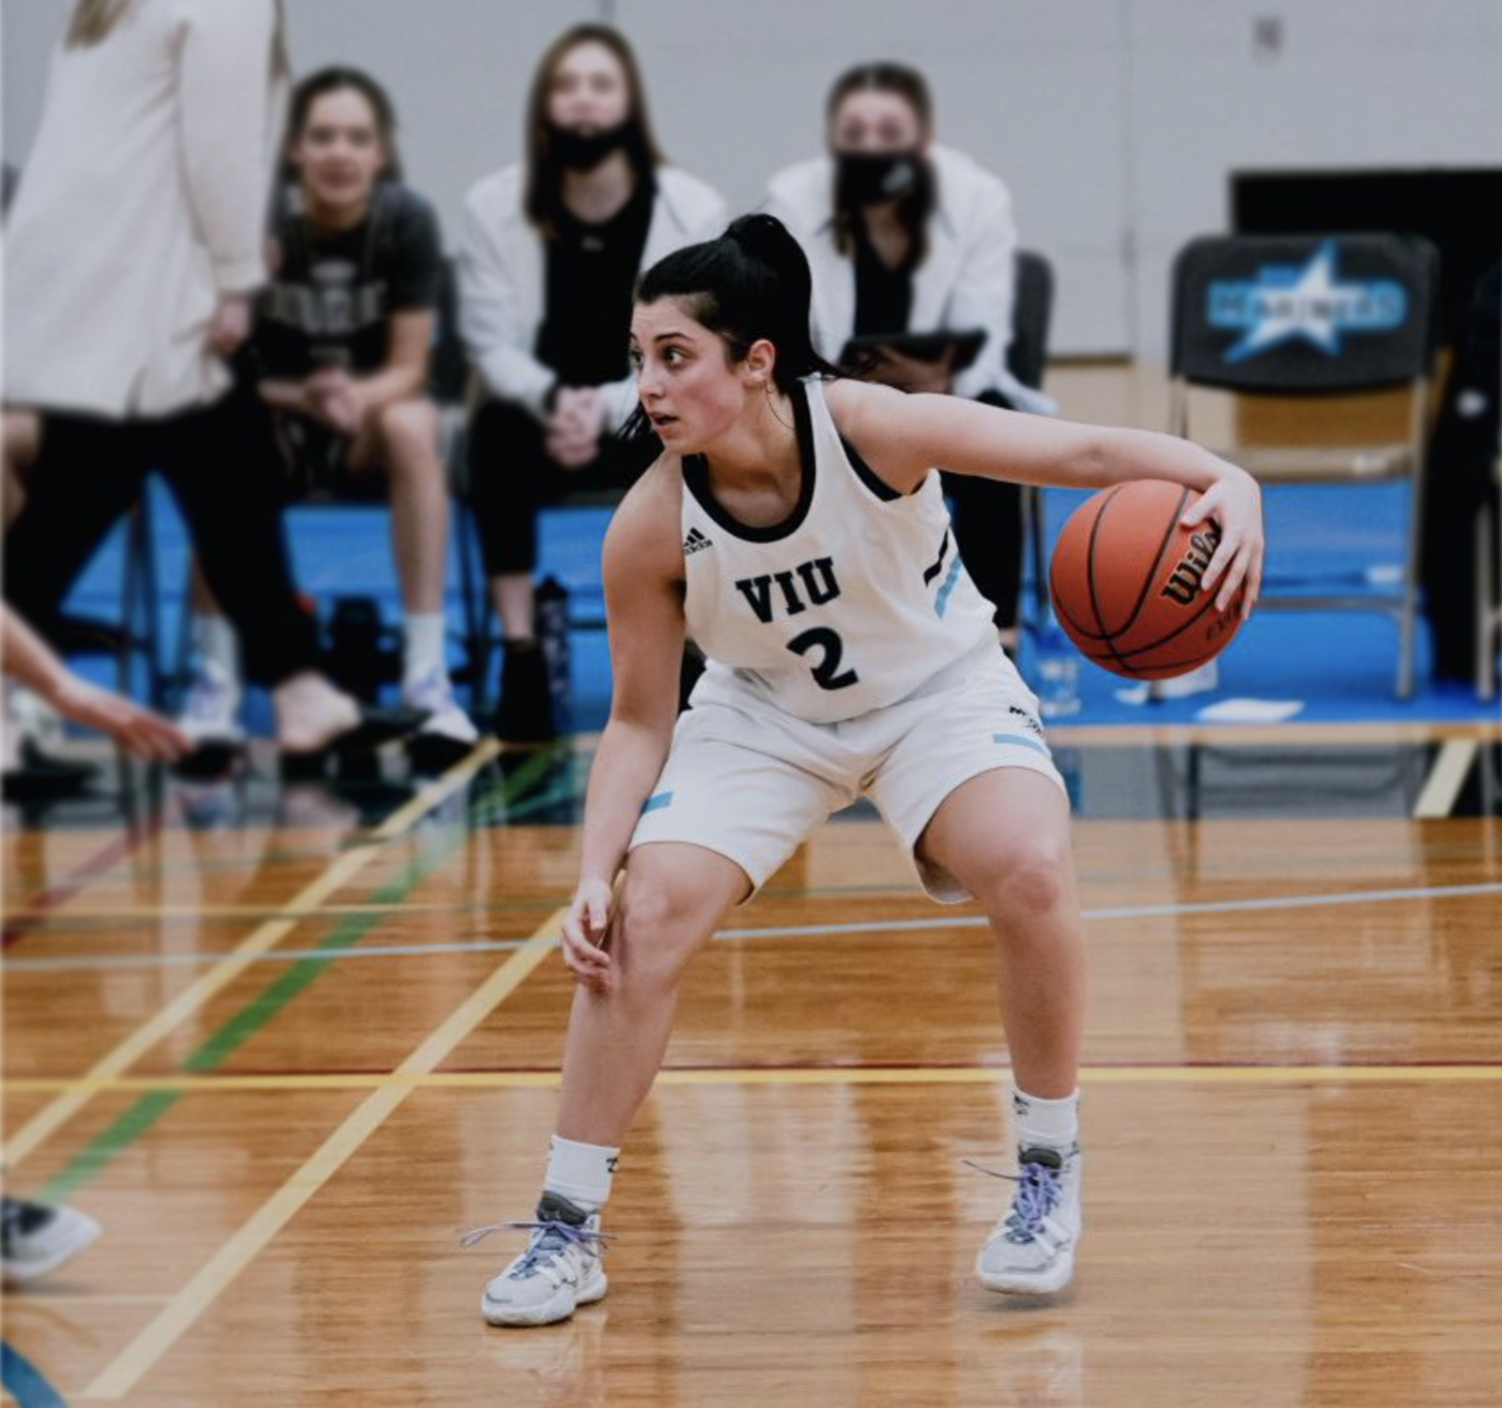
<point>1051,1124</point>
<point>581,1172</point>
<point>215,639</point>
<point>425,646</point>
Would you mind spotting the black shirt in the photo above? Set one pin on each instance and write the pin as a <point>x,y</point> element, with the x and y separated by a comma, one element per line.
<point>335,292</point>
<point>883,295</point>
<point>592,269</point>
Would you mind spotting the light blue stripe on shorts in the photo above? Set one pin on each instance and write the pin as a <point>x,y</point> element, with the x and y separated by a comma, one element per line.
<point>657,803</point>
<point>941,604</point>
<point>1023,741</point>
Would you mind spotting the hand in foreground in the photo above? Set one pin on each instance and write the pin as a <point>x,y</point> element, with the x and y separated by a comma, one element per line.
<point>913,374</point>
<point>1235,503</point>
<point>584,932</point>
<point>576,425</point>
<point>146,734</point>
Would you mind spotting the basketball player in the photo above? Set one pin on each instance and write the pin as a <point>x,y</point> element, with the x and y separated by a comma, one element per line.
<point>795,528</point>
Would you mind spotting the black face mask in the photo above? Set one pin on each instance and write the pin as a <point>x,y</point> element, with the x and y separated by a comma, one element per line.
<point>874,178</point>
<point>580,151</point>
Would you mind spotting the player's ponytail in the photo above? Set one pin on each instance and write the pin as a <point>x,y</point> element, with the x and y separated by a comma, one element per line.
<point>750,284</point>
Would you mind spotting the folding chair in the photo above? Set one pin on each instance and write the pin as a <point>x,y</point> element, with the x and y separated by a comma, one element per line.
<point>1318,317</point>
<point>1488,575</point>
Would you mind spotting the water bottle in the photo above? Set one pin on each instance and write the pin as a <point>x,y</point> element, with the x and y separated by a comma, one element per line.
<point>551,608</point>
<point>1058,672</point>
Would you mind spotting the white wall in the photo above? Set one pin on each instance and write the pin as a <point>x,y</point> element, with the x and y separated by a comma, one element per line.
<point>1117,123</point>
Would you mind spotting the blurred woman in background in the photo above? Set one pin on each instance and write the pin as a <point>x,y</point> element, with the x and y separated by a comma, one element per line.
<point>906,236</point>
<point>549,253</point>
<point>340,352</point>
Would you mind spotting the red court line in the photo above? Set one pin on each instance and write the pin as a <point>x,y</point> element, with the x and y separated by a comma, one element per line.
<point>77,880</point>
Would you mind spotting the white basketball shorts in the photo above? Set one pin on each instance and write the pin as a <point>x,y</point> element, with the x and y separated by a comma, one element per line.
<point>749,781</point>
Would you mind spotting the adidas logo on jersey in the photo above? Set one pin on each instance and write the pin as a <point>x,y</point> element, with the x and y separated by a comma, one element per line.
<point>695,542</point>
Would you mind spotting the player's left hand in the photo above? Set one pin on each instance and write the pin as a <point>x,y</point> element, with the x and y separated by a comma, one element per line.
<point>1235,503</point>
<point>146,734</point>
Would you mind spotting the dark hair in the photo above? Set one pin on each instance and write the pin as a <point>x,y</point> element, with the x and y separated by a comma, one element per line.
<point>751,283</point>
<point>333,80</point>
<point>910,85</point>
<point>544,170</point>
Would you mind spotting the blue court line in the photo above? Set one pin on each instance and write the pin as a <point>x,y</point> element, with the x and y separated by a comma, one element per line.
<point>24,1382</point>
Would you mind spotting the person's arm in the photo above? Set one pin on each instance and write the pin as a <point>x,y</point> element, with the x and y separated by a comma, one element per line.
<point>27,658</point>
<point>405,373</point>
<point>490,321</point>
<point>904,438</point>
<point>643,563</point>
<point>224,90</point>
<point>985,291</point>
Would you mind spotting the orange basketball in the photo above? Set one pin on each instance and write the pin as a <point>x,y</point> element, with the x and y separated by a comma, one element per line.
<point>1126,583</point>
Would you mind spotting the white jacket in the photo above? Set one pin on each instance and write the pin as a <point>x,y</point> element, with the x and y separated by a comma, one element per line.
<point>966,281</point>
<point>143,200</point>
<point>503,275</point>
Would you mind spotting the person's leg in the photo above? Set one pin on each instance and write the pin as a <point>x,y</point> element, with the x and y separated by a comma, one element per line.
<point>223,466</point>
<point>401,442</point>
<point>670,902</point>
<point>1004,836</point>
<point>988,533</point>
<point>673,897</point>
<point>210,713</point>
<point>510,478</point>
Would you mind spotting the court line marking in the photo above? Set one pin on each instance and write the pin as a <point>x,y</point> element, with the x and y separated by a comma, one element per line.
<point>216,1049</point>
<point>408,1081</point>
<point>1446,779</point>
<point>35,911</point>
<point>345,867</point>
<point>137,1359</point>
<point>103,962</point>
<point>24,1382</point>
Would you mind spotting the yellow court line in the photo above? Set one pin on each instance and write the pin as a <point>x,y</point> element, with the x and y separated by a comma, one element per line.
<point>750,1075</point>
<point>52,1117</point>
<point>244,1246</point>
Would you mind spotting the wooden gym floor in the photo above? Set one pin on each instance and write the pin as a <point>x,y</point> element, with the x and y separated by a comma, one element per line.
<point>288,1051</point>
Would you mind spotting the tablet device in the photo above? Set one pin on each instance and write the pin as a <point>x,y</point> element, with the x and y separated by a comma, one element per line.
<point>923,346</point>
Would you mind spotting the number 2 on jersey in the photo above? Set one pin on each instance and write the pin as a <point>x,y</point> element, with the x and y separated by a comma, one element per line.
<point>827,673</point>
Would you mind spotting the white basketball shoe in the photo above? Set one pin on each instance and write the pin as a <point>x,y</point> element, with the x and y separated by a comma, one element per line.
<point>562,1268</point>
<point>1031,1250</point>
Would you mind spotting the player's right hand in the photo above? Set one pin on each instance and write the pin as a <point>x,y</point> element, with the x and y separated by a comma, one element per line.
<point>584,930</point>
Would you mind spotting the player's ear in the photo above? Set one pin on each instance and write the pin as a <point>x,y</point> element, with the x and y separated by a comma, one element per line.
<point>759,364</point>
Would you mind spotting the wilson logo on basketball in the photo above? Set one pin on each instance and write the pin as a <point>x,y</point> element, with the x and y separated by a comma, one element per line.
<point>1184,585</point>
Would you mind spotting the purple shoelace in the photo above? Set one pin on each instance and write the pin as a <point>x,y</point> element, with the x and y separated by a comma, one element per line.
<point>556,1235</point>
<point>1038,1193</point>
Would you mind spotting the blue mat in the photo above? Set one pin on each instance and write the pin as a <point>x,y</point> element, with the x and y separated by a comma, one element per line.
<point>1341,666</point>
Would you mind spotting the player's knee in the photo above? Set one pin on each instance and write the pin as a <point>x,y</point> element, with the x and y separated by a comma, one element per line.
<point>659,932</point>
<point>1033,875</point>
<point>409,427</point>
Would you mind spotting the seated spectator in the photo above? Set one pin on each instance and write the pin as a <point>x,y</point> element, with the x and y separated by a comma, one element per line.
<point>340,353</point>
<point>548,258</point>
<point>904,235</point>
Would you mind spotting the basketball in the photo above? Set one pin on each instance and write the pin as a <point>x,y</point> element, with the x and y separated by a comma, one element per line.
<point>1125,582</point>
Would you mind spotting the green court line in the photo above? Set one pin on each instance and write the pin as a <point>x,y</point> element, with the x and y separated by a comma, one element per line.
<point>141,1117</point>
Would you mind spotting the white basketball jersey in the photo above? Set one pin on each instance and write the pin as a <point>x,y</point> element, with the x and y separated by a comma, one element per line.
<point>849,605</point>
